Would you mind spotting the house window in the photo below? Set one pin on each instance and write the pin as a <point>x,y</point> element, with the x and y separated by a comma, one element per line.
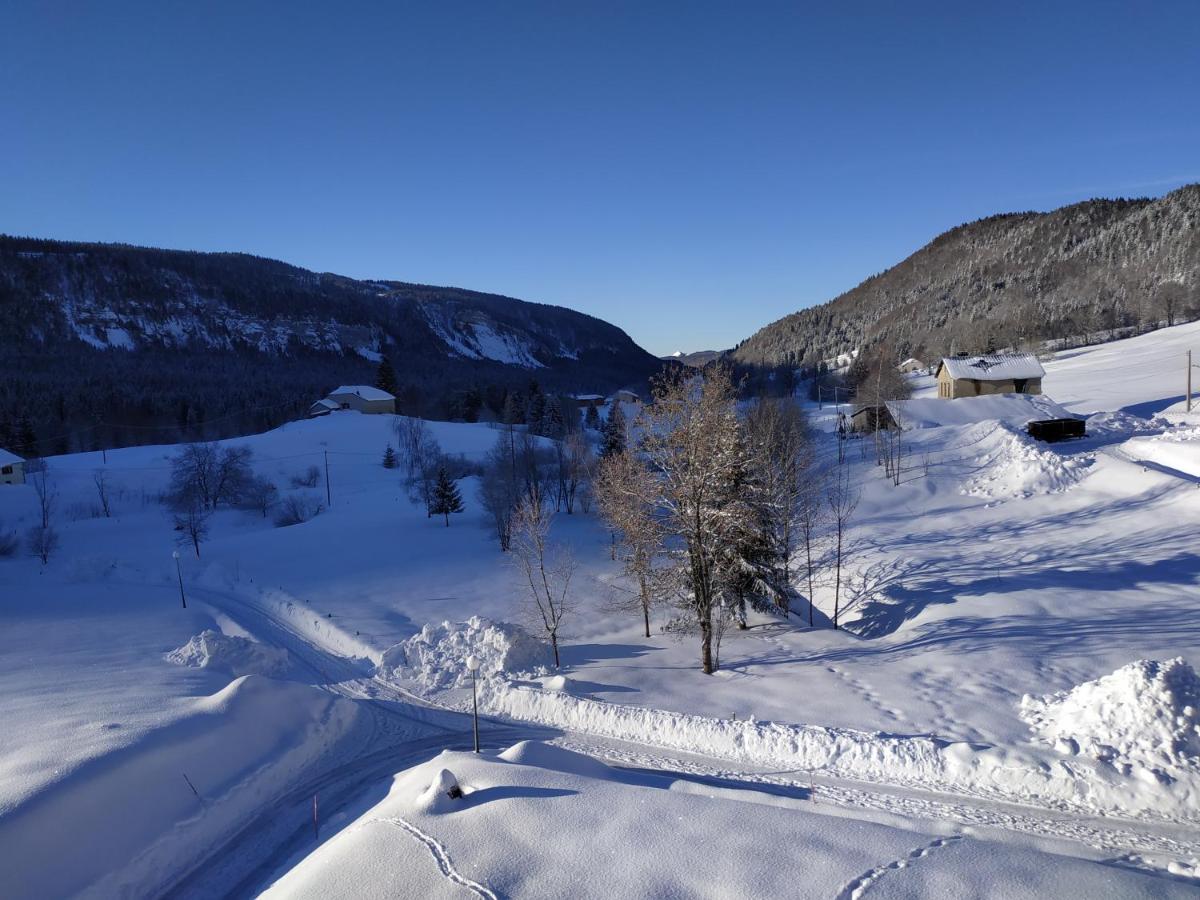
<point>1019,385</point>
<point>7,470</point>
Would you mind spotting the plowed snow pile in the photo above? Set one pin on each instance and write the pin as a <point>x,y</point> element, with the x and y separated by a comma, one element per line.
<point>1019,468</point>
<point>436,657</point>
<point>1144,715</point>
<point>227,653</point>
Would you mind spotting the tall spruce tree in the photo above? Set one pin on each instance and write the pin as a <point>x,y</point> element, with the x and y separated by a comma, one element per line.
<point>591,419</point>
<point>385,377</point>
<point>446,496</point>
<point>612,435</point>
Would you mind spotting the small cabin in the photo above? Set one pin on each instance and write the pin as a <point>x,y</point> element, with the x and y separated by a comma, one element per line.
<point>911,366</point>
<point>12,468</point>
<point>323,408</point>
<point>978,376</point>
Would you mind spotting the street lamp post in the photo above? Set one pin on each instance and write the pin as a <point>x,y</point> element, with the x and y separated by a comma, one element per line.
<point>473,666</point>
<point>179,572</point>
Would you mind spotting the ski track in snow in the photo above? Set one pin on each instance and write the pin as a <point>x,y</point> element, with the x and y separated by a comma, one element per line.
<point>440,854</point>
<point>1104,837</point>
<point>860,885</point>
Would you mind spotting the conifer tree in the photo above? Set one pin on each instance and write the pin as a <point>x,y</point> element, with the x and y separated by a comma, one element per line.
<point>446,496</point>
<point>612,435</point>
<point>385,377</point>
<point>389,458</point>
<point>26,439</point>
<point>591,419</point>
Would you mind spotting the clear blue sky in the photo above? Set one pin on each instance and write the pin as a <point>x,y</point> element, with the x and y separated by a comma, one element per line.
<point>687,171</point>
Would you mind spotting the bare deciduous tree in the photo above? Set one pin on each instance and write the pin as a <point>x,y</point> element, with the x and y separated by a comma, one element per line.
<point>693,443</point>
<point>100,479</point>
<point>191,521</point>
<point>626,492</point>
<point>546,569</point>
<point>842,499</point>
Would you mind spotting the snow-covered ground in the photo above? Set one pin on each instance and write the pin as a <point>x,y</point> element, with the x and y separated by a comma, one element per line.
<point>151,747</point>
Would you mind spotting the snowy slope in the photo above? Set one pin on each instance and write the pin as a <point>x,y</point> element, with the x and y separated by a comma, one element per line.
<point>998,568</point>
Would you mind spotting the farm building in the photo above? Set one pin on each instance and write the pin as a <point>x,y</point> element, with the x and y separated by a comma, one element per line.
<point>361,397</point>
<point>624,396</point>
<point>585,400</point>
<point>911,365</point>
<point>322,408</point>
<point>975,376</point>
<point>12,468</point>
<point>867,419</point>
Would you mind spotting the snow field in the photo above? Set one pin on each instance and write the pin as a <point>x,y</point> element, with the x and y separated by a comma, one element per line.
<point>540,821</point>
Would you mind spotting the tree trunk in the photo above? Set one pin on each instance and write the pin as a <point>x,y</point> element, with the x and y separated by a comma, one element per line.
<point>706,655</point>
<point>554,644</point>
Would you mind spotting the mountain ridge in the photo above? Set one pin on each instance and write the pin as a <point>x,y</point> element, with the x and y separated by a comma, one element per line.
<point>142,335</point>
<point>1006,280</point>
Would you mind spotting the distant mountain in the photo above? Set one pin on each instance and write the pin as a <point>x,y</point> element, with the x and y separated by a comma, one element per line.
<point>696,359</point>
<point>140,337</point>
<point>1008,280</point>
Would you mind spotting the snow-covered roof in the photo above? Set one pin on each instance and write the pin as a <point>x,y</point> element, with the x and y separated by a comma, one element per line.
<point>588,397</point>
<point>363,390</point>
<point>994,367</point>
<point>327,404</point>
<point>912,361</point>
<point>7,458</point>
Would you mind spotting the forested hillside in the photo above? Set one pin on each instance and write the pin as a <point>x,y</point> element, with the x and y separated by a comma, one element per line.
<point>1010,280</point>
<point>110,344</point>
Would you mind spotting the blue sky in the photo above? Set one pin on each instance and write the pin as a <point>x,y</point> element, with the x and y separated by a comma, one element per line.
<point>687,171</point>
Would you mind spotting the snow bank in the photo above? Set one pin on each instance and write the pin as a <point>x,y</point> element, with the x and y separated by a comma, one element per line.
<point>227,653</point>
<point>1122,423</point>
<point>1018,467</point>
<point>920,761</point>
<point>1178,449</point>
<point>436,657</point>
<point>1145,715</point>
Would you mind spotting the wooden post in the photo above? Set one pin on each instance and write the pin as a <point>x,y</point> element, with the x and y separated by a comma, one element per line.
<point>316,826</point>
<point>1189,382</point>
<point>328,490</point>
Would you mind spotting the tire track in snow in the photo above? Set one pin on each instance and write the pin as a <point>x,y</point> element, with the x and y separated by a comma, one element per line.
<point>442,856</point>
<point>863,883</point>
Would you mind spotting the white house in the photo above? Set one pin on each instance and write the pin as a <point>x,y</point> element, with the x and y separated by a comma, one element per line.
<point>12,468</point>
<point>361,397</point>
<point>911,365</point>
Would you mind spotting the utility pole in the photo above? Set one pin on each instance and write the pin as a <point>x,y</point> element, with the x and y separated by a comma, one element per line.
<point>1189,382</point>
<point>328,490</point>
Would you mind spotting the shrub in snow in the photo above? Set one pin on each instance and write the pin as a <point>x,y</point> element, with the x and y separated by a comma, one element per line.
<point>296,509</point>
<point>1145,714</point>
<point>8,543</point>
<point>436,657</point>
<point>441,793</point>
<point>310,477</point>
<point>228,653</point>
